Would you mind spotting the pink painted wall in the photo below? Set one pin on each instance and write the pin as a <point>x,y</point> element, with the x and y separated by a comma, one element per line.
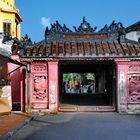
<point>44,93</point>
<point>122,84</point>
<point>43,86</point>
<point>128,85</point>
<point>53,85</point>
<point>38,85</point>
<point>15,80</point>
<point>134,82</point>
<point>23,89</point>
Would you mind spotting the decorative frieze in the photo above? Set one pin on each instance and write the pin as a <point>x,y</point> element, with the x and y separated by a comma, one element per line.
<point>39,68</point>
<point>134,69</point>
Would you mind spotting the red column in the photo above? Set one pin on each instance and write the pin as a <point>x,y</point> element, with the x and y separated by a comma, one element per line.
<point>122,84</point>
<point>53,85</point>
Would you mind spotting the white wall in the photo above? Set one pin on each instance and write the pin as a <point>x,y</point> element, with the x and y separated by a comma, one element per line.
<point>134,35</point>
<point>5,47</point>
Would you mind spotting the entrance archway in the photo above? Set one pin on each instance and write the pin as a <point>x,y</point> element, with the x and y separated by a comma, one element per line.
<point>87,84</point>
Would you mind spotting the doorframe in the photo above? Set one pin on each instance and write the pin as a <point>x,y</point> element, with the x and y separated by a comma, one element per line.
<point>62,107</point>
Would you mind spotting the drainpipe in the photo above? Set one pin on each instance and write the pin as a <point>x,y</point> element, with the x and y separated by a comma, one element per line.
<point>28,89</point>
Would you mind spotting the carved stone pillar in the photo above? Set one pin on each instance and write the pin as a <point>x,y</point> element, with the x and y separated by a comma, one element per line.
<point>122,84</point>
<point>53,85</point>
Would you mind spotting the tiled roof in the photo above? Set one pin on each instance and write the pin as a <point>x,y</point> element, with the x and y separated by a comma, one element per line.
<point>78,49</point>
<point>133,27</point>
<point>84,42</point>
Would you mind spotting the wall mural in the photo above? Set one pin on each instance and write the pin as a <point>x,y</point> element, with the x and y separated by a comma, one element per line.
<point>40,87</point>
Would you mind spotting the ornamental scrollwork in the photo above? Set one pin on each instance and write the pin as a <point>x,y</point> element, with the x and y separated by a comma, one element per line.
<point>134,89</point>
<point>39,68</point>
<point>134,68</point>
<point>26,41</point>
<point>85,27</point>
<point>39,91</point>
<point>57,28</point>
<point>114,27</point>
<point>114,31</point>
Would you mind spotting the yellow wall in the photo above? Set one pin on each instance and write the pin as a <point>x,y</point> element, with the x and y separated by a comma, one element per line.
<point>9,13</point>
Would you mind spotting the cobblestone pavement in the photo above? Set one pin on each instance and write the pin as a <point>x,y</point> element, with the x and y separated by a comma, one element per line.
<point>81,126</point>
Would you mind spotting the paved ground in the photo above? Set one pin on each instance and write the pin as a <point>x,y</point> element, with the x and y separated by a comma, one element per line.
<point>81,126</point>
<point>10,123</point>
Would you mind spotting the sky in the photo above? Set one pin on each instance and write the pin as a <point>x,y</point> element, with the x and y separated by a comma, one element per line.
<point>37,14</point>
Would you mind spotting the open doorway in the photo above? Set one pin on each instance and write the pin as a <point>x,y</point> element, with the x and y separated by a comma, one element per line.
<point>87,83</point>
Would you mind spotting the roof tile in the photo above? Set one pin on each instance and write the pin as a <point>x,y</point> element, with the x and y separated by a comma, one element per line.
<point>131,48</point>
<point>80,49</point>
<point>118,48</point>
<point>112,48</point>
<point>74,48</point>
<point>99,48</point>
<point>106,48</point>
<point>137,48</point>
<point>125,49</point>
<point>94,49</point>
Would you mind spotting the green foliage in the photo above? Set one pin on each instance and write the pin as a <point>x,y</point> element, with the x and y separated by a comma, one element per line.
<point>70,76</point>
<point>90,76</point>
<point>77,76</point>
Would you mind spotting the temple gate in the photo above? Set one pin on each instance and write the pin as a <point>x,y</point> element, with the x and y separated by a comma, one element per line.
<point>82,70</point>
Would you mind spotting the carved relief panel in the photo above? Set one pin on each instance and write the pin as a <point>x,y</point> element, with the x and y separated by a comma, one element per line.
<point>38,67</point>
<point>39,87</point>
<point>134,84</point>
